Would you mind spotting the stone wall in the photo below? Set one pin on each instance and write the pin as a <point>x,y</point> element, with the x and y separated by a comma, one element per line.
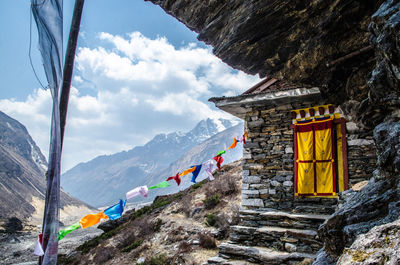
<point>268,168</point>
<point>361,152</point>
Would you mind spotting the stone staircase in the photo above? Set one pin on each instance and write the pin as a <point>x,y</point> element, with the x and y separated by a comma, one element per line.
<point>271,237</point>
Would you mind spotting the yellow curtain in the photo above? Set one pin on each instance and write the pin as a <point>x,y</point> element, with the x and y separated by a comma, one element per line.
<point>315,165</point>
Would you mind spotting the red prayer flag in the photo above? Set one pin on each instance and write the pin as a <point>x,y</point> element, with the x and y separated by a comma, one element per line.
<point>219,160</point>
<point>176,178</point>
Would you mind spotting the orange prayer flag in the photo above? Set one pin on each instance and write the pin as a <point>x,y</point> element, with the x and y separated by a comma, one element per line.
<point>92,219</point>
<point>187,171</point>
<point>233,145</point>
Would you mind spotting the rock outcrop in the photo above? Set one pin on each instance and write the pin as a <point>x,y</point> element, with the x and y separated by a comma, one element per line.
<point>381,245</point>
<point>384,83</point>
<point>379,202</point>
<point>297,41</point>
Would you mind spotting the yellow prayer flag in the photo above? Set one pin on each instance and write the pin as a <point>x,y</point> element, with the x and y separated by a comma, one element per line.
<point>187,171</point>
<point>233,145</point>
<point>92,219</point>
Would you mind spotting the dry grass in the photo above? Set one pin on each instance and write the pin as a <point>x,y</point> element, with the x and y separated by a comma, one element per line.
<point>207,241</point>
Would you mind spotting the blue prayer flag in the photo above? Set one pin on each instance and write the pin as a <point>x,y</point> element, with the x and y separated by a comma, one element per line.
<point>196,173</point>
<point>115,211</point>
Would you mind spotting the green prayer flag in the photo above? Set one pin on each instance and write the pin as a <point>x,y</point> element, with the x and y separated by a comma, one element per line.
<point>221,152</point>
<point>66,231</point>
<point>160,185</point>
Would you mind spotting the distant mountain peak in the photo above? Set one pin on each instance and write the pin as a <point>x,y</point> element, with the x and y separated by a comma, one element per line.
<point>114,173</point>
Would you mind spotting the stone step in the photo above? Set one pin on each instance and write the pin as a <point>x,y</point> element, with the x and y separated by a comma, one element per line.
<point>261,255</point>
<point>221,261</point>
<point>281,219</point>
<point>280,238</point>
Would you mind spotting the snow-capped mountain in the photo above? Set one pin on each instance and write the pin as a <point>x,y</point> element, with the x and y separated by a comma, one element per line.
<point>105,179</point>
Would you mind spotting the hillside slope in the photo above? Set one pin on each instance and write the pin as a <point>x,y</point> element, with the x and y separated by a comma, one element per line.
<point>179,228</point>
<point>198,154</point>
<point>22,181</point>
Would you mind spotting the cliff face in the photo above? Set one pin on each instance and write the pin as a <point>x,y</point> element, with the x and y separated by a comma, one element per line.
<point>290,40</point>
<point>22,176</point>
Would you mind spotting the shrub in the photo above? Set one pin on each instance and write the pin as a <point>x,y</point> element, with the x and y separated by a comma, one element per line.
<point>88,245</point>
<point>211,220</point>
<point>231,186</point>
<point>184,247</point>
<point>226,185</point>
<point>103,254</point>
<point>160,203</point>
<point>127,240</point>
<point>144,225</point>
<point>133,245</point>
<point>211,202</point>
<point>178,195</point>
<point>207,241</point>
<point>157,260</point>
<point>13,225</point>
<point>186,205</point>
<point>197,185</point>
<point>157,225</point>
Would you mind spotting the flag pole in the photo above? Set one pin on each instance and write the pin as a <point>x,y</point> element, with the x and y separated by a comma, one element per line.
<point>67,77</point>
<point>69,64</point>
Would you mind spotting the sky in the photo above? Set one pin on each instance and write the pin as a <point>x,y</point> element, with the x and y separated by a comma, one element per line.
<point>138,72</point>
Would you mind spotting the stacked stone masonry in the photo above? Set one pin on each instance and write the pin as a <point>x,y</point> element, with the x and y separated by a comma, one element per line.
<point>268,168</point>
<point>285,238</point>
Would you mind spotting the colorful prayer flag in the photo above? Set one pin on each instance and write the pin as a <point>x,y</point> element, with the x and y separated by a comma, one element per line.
<point>163,184</point>
<point>187,171</point>
<point>233,145</point>
<point>62,233</point>
<point>208,167</point>
<point>219,161</point>
<point>115,211</point>
<point>38,251</point>
<point>176,178</point>
<point>196,173</point>
<point>92,219</point>
<point>142,190</point>
<point>221,153</point>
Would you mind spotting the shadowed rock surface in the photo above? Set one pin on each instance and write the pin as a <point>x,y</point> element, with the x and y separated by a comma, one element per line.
<point>290,40</point>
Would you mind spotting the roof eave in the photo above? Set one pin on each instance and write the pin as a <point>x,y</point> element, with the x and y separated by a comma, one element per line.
<point>239,105</point>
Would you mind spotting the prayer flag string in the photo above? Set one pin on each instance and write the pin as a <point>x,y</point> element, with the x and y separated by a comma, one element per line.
<point>115,211</point>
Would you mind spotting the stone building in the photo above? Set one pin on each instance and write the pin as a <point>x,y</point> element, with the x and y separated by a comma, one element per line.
<point>300,153</point>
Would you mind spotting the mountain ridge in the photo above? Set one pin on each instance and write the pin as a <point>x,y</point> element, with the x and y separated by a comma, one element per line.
<point>22,181</point>
<point>112,174</point>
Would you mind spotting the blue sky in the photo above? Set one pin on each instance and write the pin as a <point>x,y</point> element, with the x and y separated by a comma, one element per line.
<point>138,72</point>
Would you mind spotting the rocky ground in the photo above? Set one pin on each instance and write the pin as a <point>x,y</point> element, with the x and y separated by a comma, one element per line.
<point>18,248</point>
<point>181,228</point>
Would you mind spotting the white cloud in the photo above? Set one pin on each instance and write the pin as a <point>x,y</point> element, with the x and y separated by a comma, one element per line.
<point>34,113</point>
<point>126,93</point>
